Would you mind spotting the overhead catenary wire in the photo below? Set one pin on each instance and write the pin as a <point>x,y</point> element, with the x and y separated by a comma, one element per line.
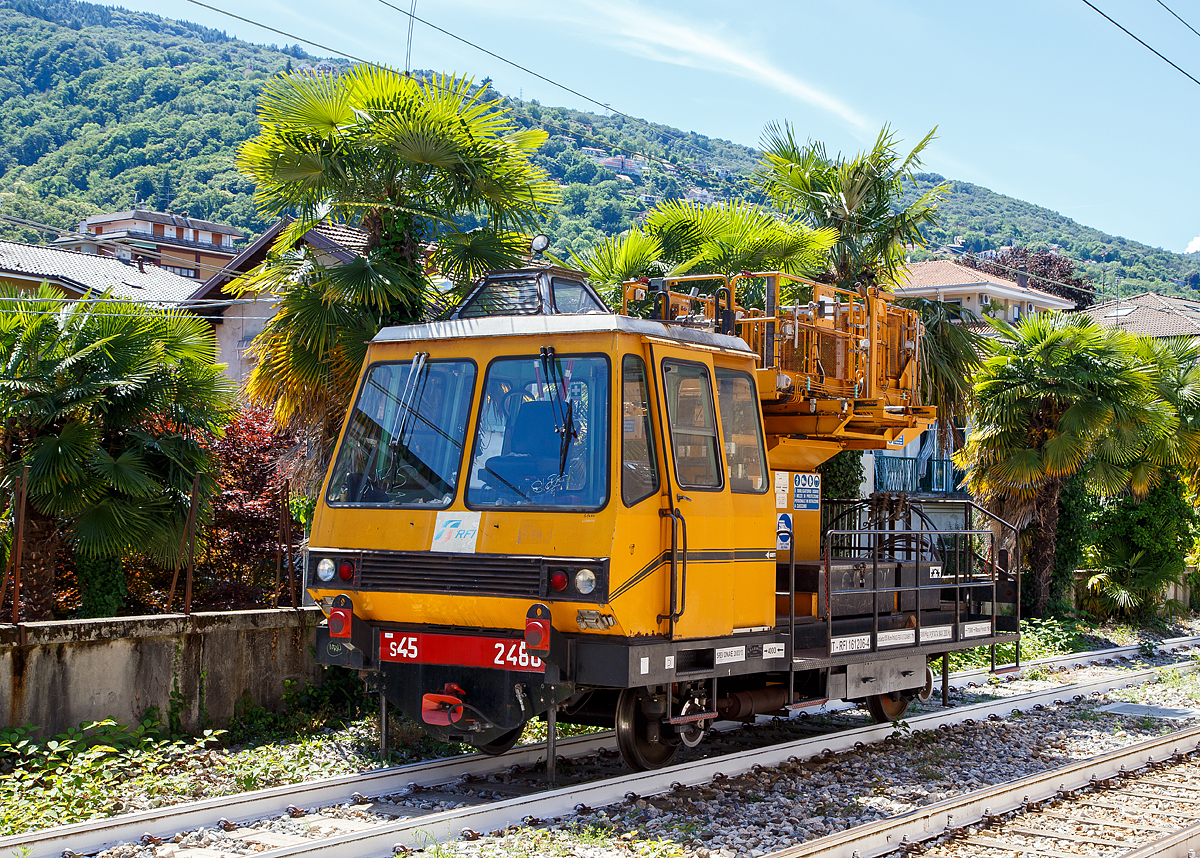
<point>1141,42</point>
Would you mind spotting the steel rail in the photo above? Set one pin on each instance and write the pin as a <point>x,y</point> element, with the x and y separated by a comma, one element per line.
<point>446,825</point>
<point>926,823</point>
<point>95,835</point>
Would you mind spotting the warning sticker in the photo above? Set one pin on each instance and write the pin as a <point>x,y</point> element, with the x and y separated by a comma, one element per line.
<point>806,491</point>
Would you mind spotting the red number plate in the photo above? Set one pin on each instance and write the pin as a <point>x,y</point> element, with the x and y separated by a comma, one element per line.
<point>468,651</point>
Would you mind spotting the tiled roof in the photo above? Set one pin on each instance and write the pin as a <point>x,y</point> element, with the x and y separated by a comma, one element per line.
<point>84,272</point>
<point>349,237</point>
<point>944,274</point>
<point>1150,314</point>
<point>167,218</point>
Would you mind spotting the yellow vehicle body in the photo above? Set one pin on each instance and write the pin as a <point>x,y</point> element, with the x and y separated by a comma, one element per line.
<point>730,580</point>
<point>539,505</point>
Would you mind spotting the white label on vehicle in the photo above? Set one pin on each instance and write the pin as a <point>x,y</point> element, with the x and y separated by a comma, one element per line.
<point>781,481</point>
<point>936,633</point>
<point>935,572</point>
<point>899,637</point>
<point>977,630</point>
<point>781,500</point>
<point>731,654</point>
<point>669,663</point>
<point>774,650</point>
<point>646,665</point>
<point>853,643</point>
<point>456,531</point>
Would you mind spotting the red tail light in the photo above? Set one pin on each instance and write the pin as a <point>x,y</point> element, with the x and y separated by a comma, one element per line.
<point>346,571</point>
<point>339,622</point>
<point>559,580</point>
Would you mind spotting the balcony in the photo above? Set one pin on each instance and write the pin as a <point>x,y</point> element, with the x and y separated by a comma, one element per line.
<point>902,474</point>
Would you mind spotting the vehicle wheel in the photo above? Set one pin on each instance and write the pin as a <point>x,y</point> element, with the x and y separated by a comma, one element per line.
<point>633,741</point>
<point>887,707</point>
<point>503,743</point>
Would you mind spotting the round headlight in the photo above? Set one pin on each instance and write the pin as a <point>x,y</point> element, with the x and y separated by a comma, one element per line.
<point>326,569</point>
<point>585,581</point>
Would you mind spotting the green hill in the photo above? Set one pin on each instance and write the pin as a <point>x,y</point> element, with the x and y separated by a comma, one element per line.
<point>100,106</point>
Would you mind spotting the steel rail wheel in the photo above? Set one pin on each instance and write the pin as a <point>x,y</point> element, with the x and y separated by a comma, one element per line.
<point>633,735</point>
<point>503,743</point>
<point>887,707</point>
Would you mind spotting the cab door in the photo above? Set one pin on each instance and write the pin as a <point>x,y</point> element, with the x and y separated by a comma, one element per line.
<point>714,595</point>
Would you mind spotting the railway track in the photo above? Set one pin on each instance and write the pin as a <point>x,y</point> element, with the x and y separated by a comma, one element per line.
<point>1142,800</point>
<point>439,799</point>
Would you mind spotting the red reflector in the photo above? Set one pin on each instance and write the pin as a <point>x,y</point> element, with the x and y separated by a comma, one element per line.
<point>537,634</point>
<point>558,580</point>
<point>441,709</point>
<point>339,623</point>
<point>346,571</point>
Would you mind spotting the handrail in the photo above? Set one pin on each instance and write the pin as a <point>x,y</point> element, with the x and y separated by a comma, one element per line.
<point>678,569</point>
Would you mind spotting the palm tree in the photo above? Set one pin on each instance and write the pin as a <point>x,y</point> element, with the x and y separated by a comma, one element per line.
<point>111,405</point>
<point>949,356</point>
<point>859,198</point>
<point>411,162</point>
<point>1055,396</point>
<point>678,237</point>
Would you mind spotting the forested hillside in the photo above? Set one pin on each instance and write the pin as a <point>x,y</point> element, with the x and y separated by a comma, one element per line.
<point>985,220</point>
<point>101,106</point>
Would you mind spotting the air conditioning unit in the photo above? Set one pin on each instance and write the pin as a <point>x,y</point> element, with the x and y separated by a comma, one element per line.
<point>1029,308</point>
<point>983,298</point>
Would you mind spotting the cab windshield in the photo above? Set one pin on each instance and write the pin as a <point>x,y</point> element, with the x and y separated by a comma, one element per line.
<point>404,441</point>
<point>542,435</point>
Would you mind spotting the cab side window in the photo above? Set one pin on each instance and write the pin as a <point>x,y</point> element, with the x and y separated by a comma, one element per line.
<point>693,428</point>
<point>741,427</point>
<point>639,470</point>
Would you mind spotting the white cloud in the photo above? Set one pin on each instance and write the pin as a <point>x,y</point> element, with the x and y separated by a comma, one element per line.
<point>1193,245</point>
<point>629,27</point>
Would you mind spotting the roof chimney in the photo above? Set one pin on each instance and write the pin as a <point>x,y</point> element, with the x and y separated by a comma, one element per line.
<point>1022,278</point>
<point>142,264</point>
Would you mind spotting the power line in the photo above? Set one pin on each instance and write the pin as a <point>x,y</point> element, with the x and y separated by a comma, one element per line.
<point>1180,20</point>
<point>1143,44</point>
<point>349,56</point>
<point>413,17</point>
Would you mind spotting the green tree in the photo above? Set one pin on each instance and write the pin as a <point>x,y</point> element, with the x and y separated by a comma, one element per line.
<point>112,406</point>
<point>1056,396</point>
<point>408,161</point>
<point>860,198</point>
<point>678,237</point>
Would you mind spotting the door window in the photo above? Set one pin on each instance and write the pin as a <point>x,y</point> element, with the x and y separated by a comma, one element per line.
<point>693,425</point>
<point>741,428</point>
<point>639,471</point>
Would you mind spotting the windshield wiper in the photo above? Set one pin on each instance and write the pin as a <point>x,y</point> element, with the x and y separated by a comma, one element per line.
<point>565,410</point>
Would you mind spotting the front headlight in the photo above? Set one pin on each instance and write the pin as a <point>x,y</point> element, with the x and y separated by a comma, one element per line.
<point>585,581</point>
<point>326,570</point>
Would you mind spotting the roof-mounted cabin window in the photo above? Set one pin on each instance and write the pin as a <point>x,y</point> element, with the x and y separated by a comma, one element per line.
<point>510,297</point>
<point>571,297</point>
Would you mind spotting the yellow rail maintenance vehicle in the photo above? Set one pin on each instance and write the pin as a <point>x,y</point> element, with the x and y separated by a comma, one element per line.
<point>542,508</point>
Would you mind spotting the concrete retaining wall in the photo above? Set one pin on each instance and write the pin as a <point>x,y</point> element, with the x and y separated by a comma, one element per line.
<point>72,671</point>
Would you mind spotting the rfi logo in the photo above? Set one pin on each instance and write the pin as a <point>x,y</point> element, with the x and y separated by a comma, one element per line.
<point>452,529</point>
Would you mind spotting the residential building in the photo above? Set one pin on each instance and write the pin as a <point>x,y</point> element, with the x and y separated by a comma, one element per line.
<point>79,274</point>
<point>699,195</point>
<point>948,281</point>
<point>238,324</point>
<point>621,165</point>
<point>650,199</point>
<point>180,244</point>
<point>1150,314</point>
<point>593,153</point>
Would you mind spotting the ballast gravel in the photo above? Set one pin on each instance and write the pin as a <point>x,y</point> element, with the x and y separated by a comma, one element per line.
<point>755,814</point>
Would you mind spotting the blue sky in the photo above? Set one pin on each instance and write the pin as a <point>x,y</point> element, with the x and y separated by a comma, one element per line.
<point>1042,100</point>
